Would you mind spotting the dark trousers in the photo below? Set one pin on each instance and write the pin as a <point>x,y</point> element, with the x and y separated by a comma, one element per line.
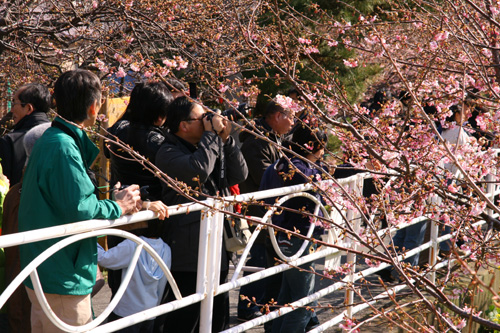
<point>255,289</point>
<point>187,319</point>
<point>272,283</point>
<point>273,286</point>
<point>295,285</point>
<point>410,238</point>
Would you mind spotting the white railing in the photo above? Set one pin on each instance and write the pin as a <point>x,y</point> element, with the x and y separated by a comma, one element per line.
<point>209,259</point>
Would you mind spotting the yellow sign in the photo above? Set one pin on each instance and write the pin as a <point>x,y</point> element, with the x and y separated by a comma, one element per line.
<point>116,107</point>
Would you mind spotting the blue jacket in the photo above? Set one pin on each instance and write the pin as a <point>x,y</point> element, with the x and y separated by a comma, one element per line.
<point>275,176</point>
<point>148,280</point>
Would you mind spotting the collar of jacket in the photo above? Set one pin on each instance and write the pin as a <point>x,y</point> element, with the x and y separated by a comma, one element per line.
<point>90,150</point>
<point>263,126</point>
<point>31,120</point>
<point>268,129</point>
<point>174,139</point>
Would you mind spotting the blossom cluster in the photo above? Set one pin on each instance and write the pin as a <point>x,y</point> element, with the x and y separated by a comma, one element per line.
<point>288,103</point>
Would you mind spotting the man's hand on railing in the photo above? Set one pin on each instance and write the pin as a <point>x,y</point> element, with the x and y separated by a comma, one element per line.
<point>129,198</point>
<point>156,206</point>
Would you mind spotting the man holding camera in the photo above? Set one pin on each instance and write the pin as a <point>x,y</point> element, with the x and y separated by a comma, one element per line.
<point>198,151</point>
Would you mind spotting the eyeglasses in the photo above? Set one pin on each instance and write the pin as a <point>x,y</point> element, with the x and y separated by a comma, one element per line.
<point>289,115</point>
<point>193,119</point>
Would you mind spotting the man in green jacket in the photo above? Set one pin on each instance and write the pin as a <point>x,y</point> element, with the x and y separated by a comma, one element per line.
<point>57,190</point>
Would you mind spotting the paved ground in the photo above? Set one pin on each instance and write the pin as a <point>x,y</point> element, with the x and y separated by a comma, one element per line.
<point>336,299</point>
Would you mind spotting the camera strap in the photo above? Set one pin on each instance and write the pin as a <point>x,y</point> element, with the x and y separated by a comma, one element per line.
<point>222,161</point>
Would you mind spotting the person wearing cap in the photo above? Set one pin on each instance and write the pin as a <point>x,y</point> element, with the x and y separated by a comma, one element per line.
<point>304,166</point>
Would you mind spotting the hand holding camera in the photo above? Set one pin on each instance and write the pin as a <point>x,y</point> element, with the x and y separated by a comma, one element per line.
<point>129,198</point>
<point>218,124</point>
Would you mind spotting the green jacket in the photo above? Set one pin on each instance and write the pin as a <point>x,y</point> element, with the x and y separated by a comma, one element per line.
<point>56,191</point>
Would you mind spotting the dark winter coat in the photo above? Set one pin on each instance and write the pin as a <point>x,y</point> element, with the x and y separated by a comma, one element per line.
<point>145,140</point>
<point>195,165</point>
<point>12,147</point>
<point>259,154</point>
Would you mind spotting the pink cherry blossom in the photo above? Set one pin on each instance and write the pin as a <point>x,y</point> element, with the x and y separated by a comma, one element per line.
<point>287,103</point>
<point>181,63</point>
<point>371,263</point>
<point>440,36</point>
<point>101,117</point>
<point>304,41</point>
<point>480,120</point>
<point>349,324</point>
<point>101,65</point>
<point>461,324</point>
<point>311,49</point>
<point>351,63</point>
<point>223,88</point>
<point>486,52</point>
<point>452,188</point>
<point>164,72</point>
<point>135,67</point>
<point>120,72</point>
<point>169,63</point>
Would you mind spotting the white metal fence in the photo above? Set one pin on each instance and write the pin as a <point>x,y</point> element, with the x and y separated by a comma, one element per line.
<point>209,259</point>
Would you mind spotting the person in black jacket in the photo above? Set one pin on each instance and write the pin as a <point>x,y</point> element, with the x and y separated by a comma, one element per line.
<point>139,127</point>
<point>29,108</point>
<point>275,124</point>
<point>260,153</point>
<point>195,151</point>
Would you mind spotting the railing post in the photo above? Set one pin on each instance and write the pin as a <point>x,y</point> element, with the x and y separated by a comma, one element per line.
<point>209,262</point>
<point>490,190</point>
<point>352,216</point>
<point>434,248</point>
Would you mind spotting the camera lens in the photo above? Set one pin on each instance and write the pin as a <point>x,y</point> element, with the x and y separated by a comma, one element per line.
<point>208,115</point>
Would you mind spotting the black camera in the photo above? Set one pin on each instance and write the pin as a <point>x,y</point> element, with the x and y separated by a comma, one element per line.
<point>242,111</point>
<point>144,191</point>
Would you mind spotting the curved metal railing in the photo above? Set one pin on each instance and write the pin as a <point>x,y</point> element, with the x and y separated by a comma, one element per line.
<point>209,257</point>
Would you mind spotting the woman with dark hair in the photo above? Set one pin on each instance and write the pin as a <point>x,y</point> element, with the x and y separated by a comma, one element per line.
<point>139,128</point>
<point>309,145</point>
